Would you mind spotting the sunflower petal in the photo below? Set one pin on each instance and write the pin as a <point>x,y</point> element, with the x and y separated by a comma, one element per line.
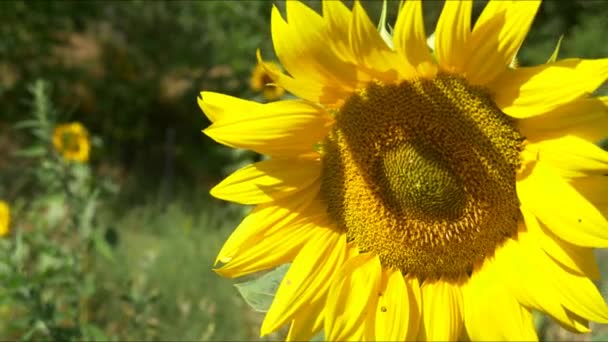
<point>562,209</point>
<point>219,106</point>
<point>393,311</point>
<point>442,311</point>
<point>453,34</point>
<point>337,18</point>
<point>409,37</point>
<point>487,301</point>
<point>524,278</point>
<point>576,293</point>
<point>308,277</point>
<point>415,311</point>
<point>585,118</point>
<point>579,260</point>
<point>529,91</point>
<point>572,156</point>
<point>282,128</point>
<point>352,298</point>
<point>267,181</point>
<point>496,37</point>
<point>371,51</point>
<point>306,325</point>
<point>267,218</point>
<point>285,244</point>
<point>304,54</point>
<point>594,189</point>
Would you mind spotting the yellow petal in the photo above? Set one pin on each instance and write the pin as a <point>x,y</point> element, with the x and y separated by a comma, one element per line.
<point>579,260</point>
<point>571,156</point>
<point>491,312</point>
<point>586,118</point>
<point>301,44</point>
<point>529,91</point>
<point>303,88</point>
<point>562,209</point>
<point>352,298</point>
<point>393,310</point>
<point>452,35</point>
<point>415,310</point>
<point>337,18</point>
<point>409,37</point>
<point>282,128</point>
<point>594,189</point>
<point>307,279</point>
<point>441,311</point>
<point>267,218</point>
<point>219,106</point>
<point>307,323</point>
<point>525,280</point>
<point>273,250</point>
<point>267,181</point>
<point>579,324</point>
<point>496,37</point>
<point>371,51</point>
<point>575,293</point>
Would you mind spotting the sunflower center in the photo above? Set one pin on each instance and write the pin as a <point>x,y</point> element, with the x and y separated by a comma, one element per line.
<point>420,180</point>
<point>423,174</point>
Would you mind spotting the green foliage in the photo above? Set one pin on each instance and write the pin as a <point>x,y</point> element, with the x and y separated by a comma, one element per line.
<point>259,292</point>
<point>45,277</point>
<point>131,70</point>
<point>163,288</point>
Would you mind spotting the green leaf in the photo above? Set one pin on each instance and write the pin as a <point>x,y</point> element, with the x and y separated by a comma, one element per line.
<point>102,246</point>
<point>92,333</point>
<point>553,57</point>
<point>259,293</point>
<point>31,152</point>
<point>386,36</point>
<point>26,124</point>
<point>320,337</point>
<point>88,214</point>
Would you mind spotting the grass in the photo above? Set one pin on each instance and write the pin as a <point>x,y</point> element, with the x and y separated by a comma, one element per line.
<point>163,267</point>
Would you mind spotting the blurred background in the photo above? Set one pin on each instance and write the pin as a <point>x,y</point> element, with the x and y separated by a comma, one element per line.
<point>120,245</point>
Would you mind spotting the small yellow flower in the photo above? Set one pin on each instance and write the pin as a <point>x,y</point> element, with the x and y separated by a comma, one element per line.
<point>261,81</point>
<point>5,219</point>
<point>72,141</point>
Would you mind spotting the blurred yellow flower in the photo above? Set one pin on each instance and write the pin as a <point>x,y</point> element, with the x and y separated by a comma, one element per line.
<point>261,81</point>
<point>5,219</point>
<point>419,196</point>
<point>72,141</point>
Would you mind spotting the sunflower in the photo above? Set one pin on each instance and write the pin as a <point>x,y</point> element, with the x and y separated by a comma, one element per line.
<point>71,140</point>
<point>417,194</point>
<point>261,81</point>
<point>5,219</point>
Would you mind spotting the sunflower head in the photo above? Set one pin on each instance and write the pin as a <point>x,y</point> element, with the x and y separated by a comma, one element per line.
<point>435,161</point>
<point>72,141</point>
<point>261,81</point>
<point>5,219</point>
<point>419,194</point>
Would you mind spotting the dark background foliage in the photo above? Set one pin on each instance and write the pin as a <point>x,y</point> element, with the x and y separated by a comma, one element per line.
<point>131,70</point>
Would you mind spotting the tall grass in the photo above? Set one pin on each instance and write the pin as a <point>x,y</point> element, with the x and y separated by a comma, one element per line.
<point>163,264</point>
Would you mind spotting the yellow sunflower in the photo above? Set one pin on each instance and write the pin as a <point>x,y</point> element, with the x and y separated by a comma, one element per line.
<point>72,141</point>
<point>261,81</point>
<point>5,219</point>
<point>419,195</point>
